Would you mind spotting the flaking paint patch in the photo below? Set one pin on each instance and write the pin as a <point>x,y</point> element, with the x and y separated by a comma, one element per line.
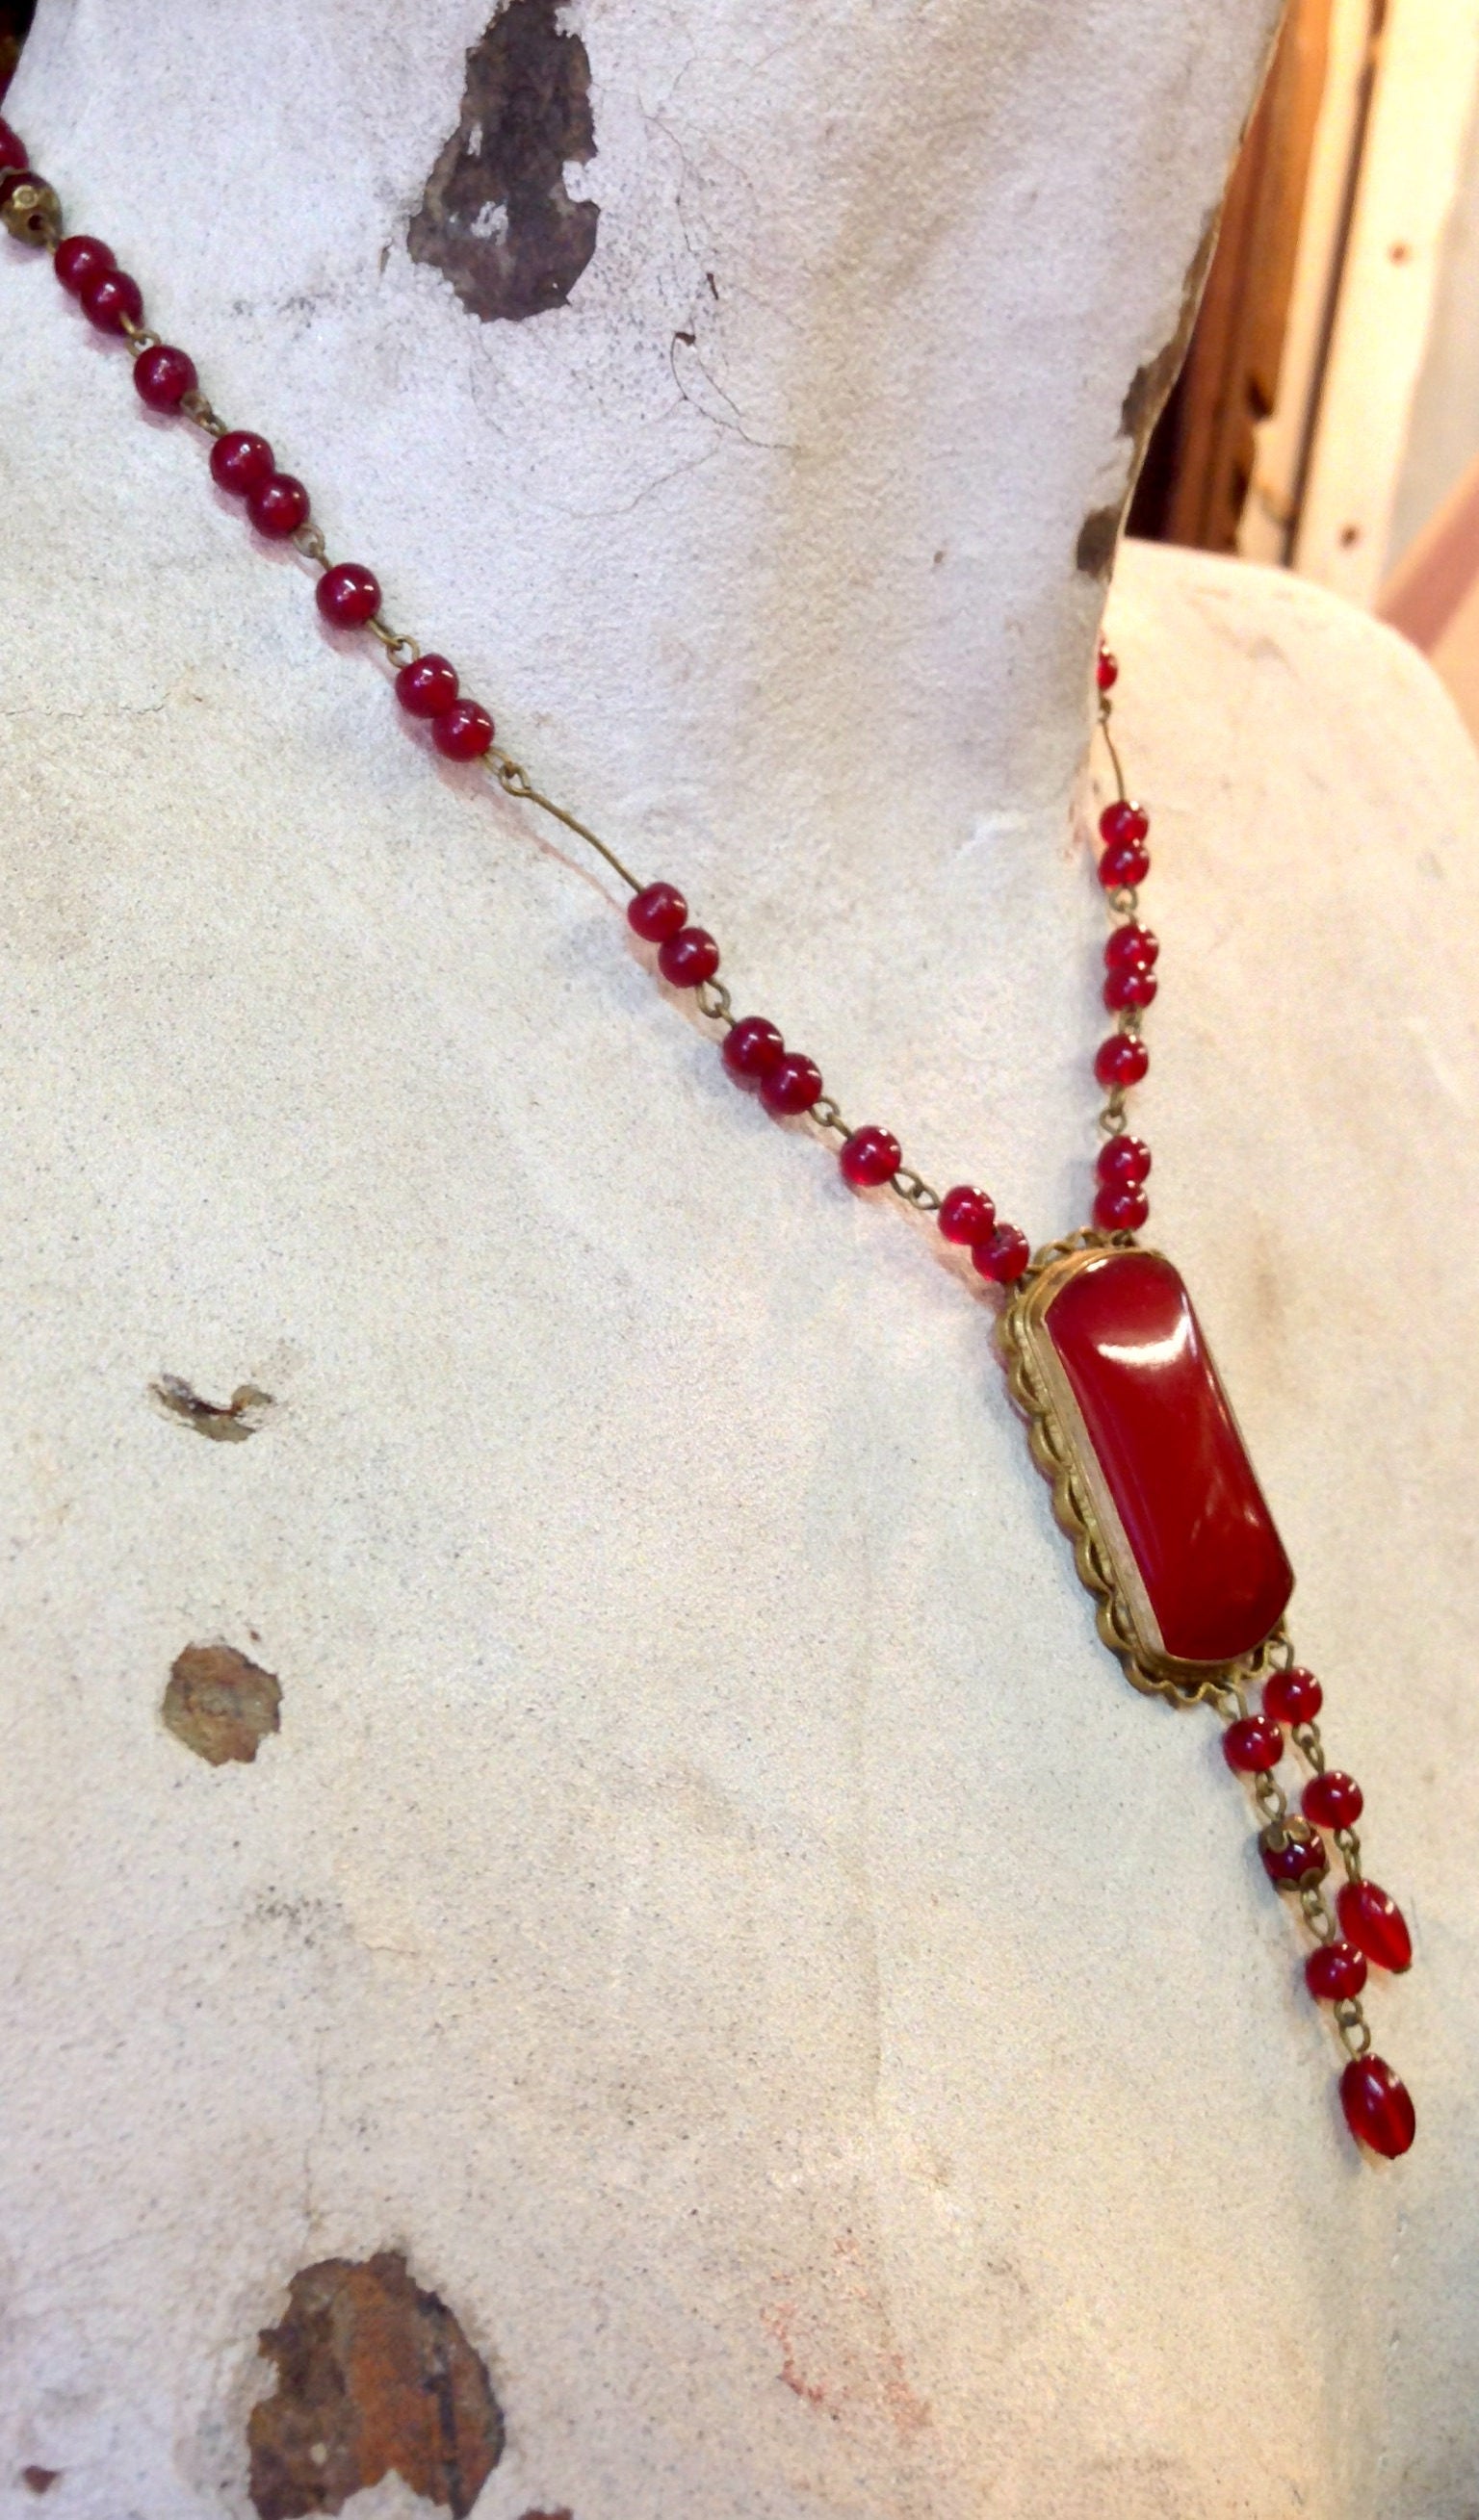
<point>219,1705</point>
<point>223,1422</point>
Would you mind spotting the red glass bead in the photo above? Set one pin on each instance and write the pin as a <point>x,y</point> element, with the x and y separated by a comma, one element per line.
<point>967,1215</point>
<point>1336,1972</point>
<point>656,914</point>
<point>241,461</point>
<point>81,258</point>
<point>1005,1258</point>
<point>347,595</point>
<point>1123,1162</point>
<point>870,1158</point>
<point>1296,1860</point>
<point>1131,985</point>
<point>1124,865</point>
<point>792,1085</point>
<point>111,300</point>
<point>1120,1061</point>
<point>1131,943</point>
<point>686,959</point>
<point>1106,670</point>
<point>1253,1744</point>
<point>464,732</point>
<point>163,376</point>
<point>1293,1697</point>
<point>1122,1210</point>
<point>1124,820</point>
<point>1372,1918</point>
<point>1378,2106</point>
<point>278,505</point>
<point>11,147</point>
<point>427,686</point>
<point>1333,1800</point>
<point>753,1045</point>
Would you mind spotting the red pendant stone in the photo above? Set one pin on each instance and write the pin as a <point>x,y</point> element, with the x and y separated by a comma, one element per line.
<point>1372,1919</point>
<point>1378,2108</point>
<point>1201,1566</point>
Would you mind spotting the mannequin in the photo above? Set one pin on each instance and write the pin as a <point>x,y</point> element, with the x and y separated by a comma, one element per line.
<point>712,1902</point>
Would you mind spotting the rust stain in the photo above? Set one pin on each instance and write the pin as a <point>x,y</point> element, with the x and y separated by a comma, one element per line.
<point>219,1705</point>
<point>40,2479</point>
<point>497,217</point>
<point>228,1421</point>
<point>374,2376</point>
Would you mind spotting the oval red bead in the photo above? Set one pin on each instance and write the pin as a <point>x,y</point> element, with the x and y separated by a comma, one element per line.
<point>870,1158</point>
<point>81,258</point>
<point>1131,943</point>
<point>1253,1744</point>
<point>1336,1972</point>
<point>1106,670</point>
<point>1333,1800</point>
<point>967,1215</point>
<point>1124,1162</point>
<point>1371,1918</point>
<point>1124,820</point>
<point>1121,1208</point>
<point>791,1086</point>
<point>1124,865</point>
<point>1293,1697</point>
<point>241,461</point>
<point>656,913</point>
<point>1131,985</point>
<point>278,505</point>
<point>1122,1060</point>
<point>688,958</point>
<point>1005,1258</point>
<point>1296,1860</point>
<point>751,1048</point>
<point>111,300</point>
<point>1378,2106</point>
<point>11,147</point>
<point>347,595</point>
<point>464,732</point>
<point>427,686</point>
<point>163,376</point>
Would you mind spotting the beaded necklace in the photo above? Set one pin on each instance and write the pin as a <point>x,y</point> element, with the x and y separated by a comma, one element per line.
<point>1126,1410</point>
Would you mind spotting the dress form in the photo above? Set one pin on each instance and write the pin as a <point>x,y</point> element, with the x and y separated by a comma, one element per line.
<point>712,1903</point>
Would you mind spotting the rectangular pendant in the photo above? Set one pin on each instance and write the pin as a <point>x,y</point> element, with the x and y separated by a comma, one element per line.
<point>1150,1471</point>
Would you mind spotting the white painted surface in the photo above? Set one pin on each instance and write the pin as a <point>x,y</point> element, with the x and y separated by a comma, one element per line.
<point>713,1901</point>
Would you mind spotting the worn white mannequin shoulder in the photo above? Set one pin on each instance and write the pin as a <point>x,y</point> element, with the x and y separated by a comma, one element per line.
<point>712,1903</point>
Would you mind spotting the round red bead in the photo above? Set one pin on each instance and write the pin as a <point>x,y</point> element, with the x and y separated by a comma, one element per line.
<point>163,376</point>
<point>1122,1210</point>
<point>1124,865</point>
<point>1336,1972</point>
<point>656,913</point>
<point>871,1156</point>
<point>792,1085</point>
<point>1252,1744</point>
<point>464,732</point>
<point>1372,1918</point>
<point>347,595</point>
<point>1333,1800</point>
<point>278,505</point>
<point>81,258</point>
<point>1131,943</point>
<point>427,686</point>
<point>111,300</point>
<point>1378,2107</point>
<point>1004,1258</point>
<point>1130,985</point>
<point>1124,1163</point>
<point>1120,1061</point>
<point>688,958</point>
<point>967,1215</point>
<point>1124,820</point>
<point>241,461</point>
<point>1106,670</point>
<point>751,1047</point>
<point>1293,1697</point>
<point>11,147</point>
<point>1292,1863</point>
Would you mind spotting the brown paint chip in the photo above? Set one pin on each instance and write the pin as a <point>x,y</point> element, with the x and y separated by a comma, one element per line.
<point>496,217</point>
<point>228,1421</point>
<point>374,2375</point>
<point>221,1704</point>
